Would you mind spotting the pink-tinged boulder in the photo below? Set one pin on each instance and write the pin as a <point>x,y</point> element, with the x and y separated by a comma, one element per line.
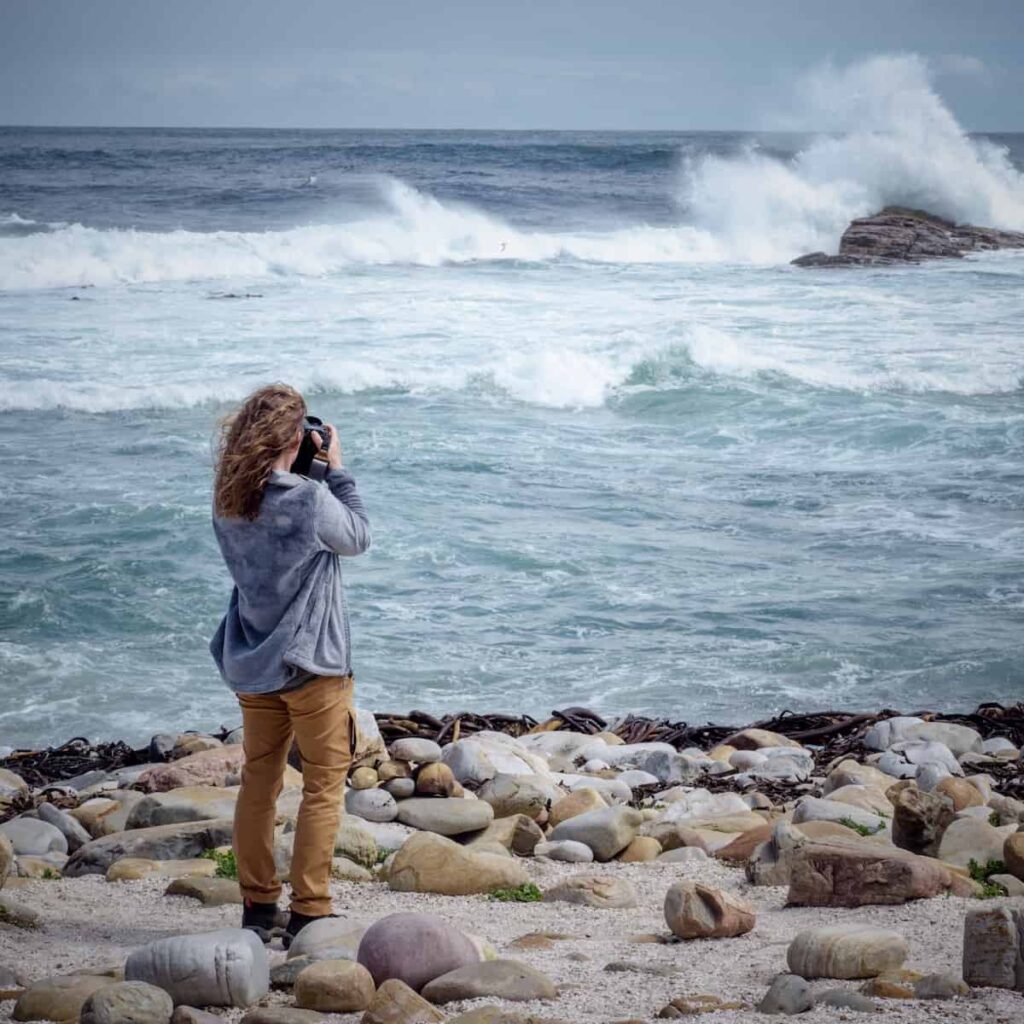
<point>414,948</point>
<point>845,873</point>
<point>756,739</point>
<point>221,766</point>
<point>695,911</point>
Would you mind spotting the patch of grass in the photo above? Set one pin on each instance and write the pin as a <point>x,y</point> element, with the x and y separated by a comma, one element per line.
<point>527,893</point>
<point>862,830</point>
<point>227,866</point>
<point>50,875</point>
<point>382,855</point>
<point>991,890</point>
<point>994,819</point>
<point>981,872</point>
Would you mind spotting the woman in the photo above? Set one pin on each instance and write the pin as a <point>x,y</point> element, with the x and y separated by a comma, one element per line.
<point>283,645</point>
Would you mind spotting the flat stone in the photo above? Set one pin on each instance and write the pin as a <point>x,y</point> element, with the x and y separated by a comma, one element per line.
<point>396,1003</point>
<point>105,815</point>
<point>960,739</point>
<point>414,948</point>
<point>788,994</point>
<point>283,975</point>
<point>449,816</point>
<point>332,938</point>
<point>961,792</point>
<point>994,947</point>
<point>34,837</point>
<point>357,840</point>
<point>499,979</point>
<point>219,968</point>
<point>371,804</point>
<point>221,766</point>
<point>57,998</point>
<point>211,892</point>
<point>431,863</point>
<point>163,842</point>
<point>334,986</point>
<point>469,762</point>
<point>127,1002</point>
<point>128,869</point>
<point>945,985</point>
<point>418,751</point>
<point>345,870</point>
<point>567,850</point>
<point>191,803</point>
<point>603,892</point>
<point>578,802</point>
<point>846,951</point>
<point>696,911</point>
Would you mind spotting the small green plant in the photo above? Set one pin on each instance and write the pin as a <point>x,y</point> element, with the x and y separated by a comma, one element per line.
<point>862,830</point>
<point>994,819</point>
<point>991,890</point>
<point>227,866</point>
<point>382,855</point>
<point>527,893</point>
<point>50,875</point>
<point>981,873</point>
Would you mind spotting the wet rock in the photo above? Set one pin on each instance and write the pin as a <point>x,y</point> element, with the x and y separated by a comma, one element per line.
<point>416,750</point>
<point>696,911</point>
<point>211,892</point>
<point>606,832</point>
<point>846,951</point>
<point>163,842</point>
<point>787,994</point>
<point>432,863</point>
<point>127,1002</point>
<point>57,998</point>
<point>414,948</point>
<point>499,979</point>
<point>994,947</point>
<point>220,968</point>
<point>855,873</point>
<point>396,1003</point>
<point>604,892</point>
<point>129,869</point>
<point>334,986</point>
<point>898,235</point>
<point>447,816</point>
<point>32,837</point>
<point>371,804</point>
<point>919,819</point>
<point>73,832</point>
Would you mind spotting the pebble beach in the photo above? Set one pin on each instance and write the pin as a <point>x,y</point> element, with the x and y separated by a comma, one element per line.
<point>558,875</point>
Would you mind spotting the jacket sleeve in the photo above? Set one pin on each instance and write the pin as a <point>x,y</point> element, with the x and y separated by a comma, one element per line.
<point>342,525</point>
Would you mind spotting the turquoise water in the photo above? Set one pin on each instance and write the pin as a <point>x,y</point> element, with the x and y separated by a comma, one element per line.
<point>616,451</point>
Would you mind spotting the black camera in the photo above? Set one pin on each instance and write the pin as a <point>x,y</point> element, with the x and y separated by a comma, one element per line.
<point>310,461</point>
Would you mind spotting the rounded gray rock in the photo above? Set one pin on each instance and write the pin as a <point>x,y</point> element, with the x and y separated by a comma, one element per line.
<point>371,804</point>
<point>31,837</point>
<point>788,994</point>
<point>417,751</point>
<point>128,1002</point>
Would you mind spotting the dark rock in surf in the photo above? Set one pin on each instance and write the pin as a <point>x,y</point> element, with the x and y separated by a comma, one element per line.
<point>897,235</point>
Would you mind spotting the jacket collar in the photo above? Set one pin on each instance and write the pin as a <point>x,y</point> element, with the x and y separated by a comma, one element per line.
<point>282,478</point>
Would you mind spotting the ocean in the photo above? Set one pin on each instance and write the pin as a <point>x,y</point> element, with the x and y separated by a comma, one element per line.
<point>617,452</point>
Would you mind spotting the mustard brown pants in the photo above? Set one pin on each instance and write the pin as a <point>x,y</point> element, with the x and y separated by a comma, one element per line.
<point>320,717</point>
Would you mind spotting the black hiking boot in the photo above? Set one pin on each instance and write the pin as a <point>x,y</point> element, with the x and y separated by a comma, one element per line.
<point>260,918</point>
<point>296,922</point>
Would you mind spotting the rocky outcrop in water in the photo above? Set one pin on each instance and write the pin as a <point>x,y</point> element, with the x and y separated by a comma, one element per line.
<point>897,235</point>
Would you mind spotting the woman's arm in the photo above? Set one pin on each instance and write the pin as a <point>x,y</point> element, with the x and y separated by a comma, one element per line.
<point>342,524</point>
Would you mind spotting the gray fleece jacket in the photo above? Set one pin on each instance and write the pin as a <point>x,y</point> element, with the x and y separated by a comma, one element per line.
<point>287,618</point>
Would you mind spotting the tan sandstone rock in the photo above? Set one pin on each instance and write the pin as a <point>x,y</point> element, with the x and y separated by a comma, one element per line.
<point>695,911</point>
<point>846,951</point>
<point>427,862</point>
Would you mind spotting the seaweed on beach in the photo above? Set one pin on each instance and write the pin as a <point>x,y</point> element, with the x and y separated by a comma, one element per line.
<point>71,759</point>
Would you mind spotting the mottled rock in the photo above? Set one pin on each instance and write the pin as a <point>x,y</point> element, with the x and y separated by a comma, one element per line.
<point>396,1003</point>
<point>919,819</point>
<point>696,911</point>
<point>163,842</point>
<point>692,1006</point>
<point>334,986</point>
<point>447,816</point>
<point>127,1002</point>
<point>945,985</point>
<point>604,892</point>
<point>414,948</point>
<point>853,873</point>
<point>283,975</point>
<point>994,947</point>
<point>129,869</point>
<point>103,816</point>
<point>211,892</point>
<point>218,767</point>
<point>219,968</point>
<point>518,794</point>
<point>846,951</point>
<point>499,979</point>
<point>345,870</point>
<point>57,998</point>
<point>431,863</point>
<point>11,785</point>
<point>788,994</point>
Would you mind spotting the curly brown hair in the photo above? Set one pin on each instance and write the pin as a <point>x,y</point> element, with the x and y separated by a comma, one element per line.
<point>251,439</point>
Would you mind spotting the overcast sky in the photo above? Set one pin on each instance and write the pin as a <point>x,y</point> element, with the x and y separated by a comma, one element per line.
<point>645,64</point>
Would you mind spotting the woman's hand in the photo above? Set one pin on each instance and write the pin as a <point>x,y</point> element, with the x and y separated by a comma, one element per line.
<point>333,449</point>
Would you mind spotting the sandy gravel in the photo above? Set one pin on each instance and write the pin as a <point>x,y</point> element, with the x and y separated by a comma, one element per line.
<point>91,923</point>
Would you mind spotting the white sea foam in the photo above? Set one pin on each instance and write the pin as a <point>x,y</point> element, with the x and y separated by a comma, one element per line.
<point>899,144</point>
